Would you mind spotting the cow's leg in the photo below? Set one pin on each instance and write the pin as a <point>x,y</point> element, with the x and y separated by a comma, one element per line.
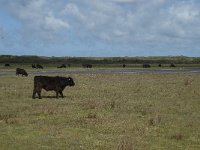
<point>34,92</point>
<point>61,93</point>
<point>39,94</point>
<point>56,94</point>
<point>38,91</point>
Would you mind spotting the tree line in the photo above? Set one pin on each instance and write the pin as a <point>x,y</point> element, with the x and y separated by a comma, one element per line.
<point>99,60</point>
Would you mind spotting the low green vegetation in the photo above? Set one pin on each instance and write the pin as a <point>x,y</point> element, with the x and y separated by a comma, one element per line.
<point>103,112</point>
<point>98,61</point>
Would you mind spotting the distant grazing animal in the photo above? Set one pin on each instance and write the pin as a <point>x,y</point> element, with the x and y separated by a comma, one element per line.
<point>56,84</point>
<point>172,65</point>
<point>39,66</point>
<point>62,66</point>
<point>33,66</point>
<point>124,65</point>
<point>87,65</point>
<point>159,65</point>
<point>21,71</point>
<point>7,65</point>
<point>146,66</point>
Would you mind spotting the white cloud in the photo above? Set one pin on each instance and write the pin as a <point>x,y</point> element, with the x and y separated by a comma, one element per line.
<point>37,17</point>
<point>149,21</point>
<point>53,23</point>
<point>72,9</point>
<point>185,12</point>
<point>131,22</point>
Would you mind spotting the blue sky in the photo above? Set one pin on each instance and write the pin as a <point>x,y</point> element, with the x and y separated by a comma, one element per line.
<point>100,27</point>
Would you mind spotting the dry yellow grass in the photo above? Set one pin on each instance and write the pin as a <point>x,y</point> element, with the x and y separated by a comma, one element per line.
<point>110,111</point>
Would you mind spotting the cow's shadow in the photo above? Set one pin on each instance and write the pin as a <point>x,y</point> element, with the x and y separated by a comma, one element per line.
<point>51,97</point>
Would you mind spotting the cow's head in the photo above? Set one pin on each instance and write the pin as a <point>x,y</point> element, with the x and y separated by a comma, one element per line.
<point>70,81</point>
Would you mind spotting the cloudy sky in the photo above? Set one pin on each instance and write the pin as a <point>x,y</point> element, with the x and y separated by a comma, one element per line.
<point>100,27</point>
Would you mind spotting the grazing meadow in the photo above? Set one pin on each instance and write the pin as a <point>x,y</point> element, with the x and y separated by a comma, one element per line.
<point>103,112</point>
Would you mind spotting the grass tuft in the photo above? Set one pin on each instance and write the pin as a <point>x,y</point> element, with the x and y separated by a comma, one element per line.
<point>125,143</point>
<point>92,115</point>
<point>153,121</point>
<point>177,136</point>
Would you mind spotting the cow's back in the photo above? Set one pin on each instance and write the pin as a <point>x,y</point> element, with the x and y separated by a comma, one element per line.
<point>19,71</point>
<point>43,79</point>
<point>45,82</point>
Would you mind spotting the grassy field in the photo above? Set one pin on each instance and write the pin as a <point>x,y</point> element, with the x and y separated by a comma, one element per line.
<point>103,112</point>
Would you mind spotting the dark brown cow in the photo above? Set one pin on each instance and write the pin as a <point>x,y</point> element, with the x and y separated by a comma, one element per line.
<point>146,66</point>
<point>7,65</point>
<point>172,65</point>
<point>21,71</point>
<point>62,66</point>
<point>56,84</point>
<point>33,66</point>
<point>39,66</point>
<point>87,65</point>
